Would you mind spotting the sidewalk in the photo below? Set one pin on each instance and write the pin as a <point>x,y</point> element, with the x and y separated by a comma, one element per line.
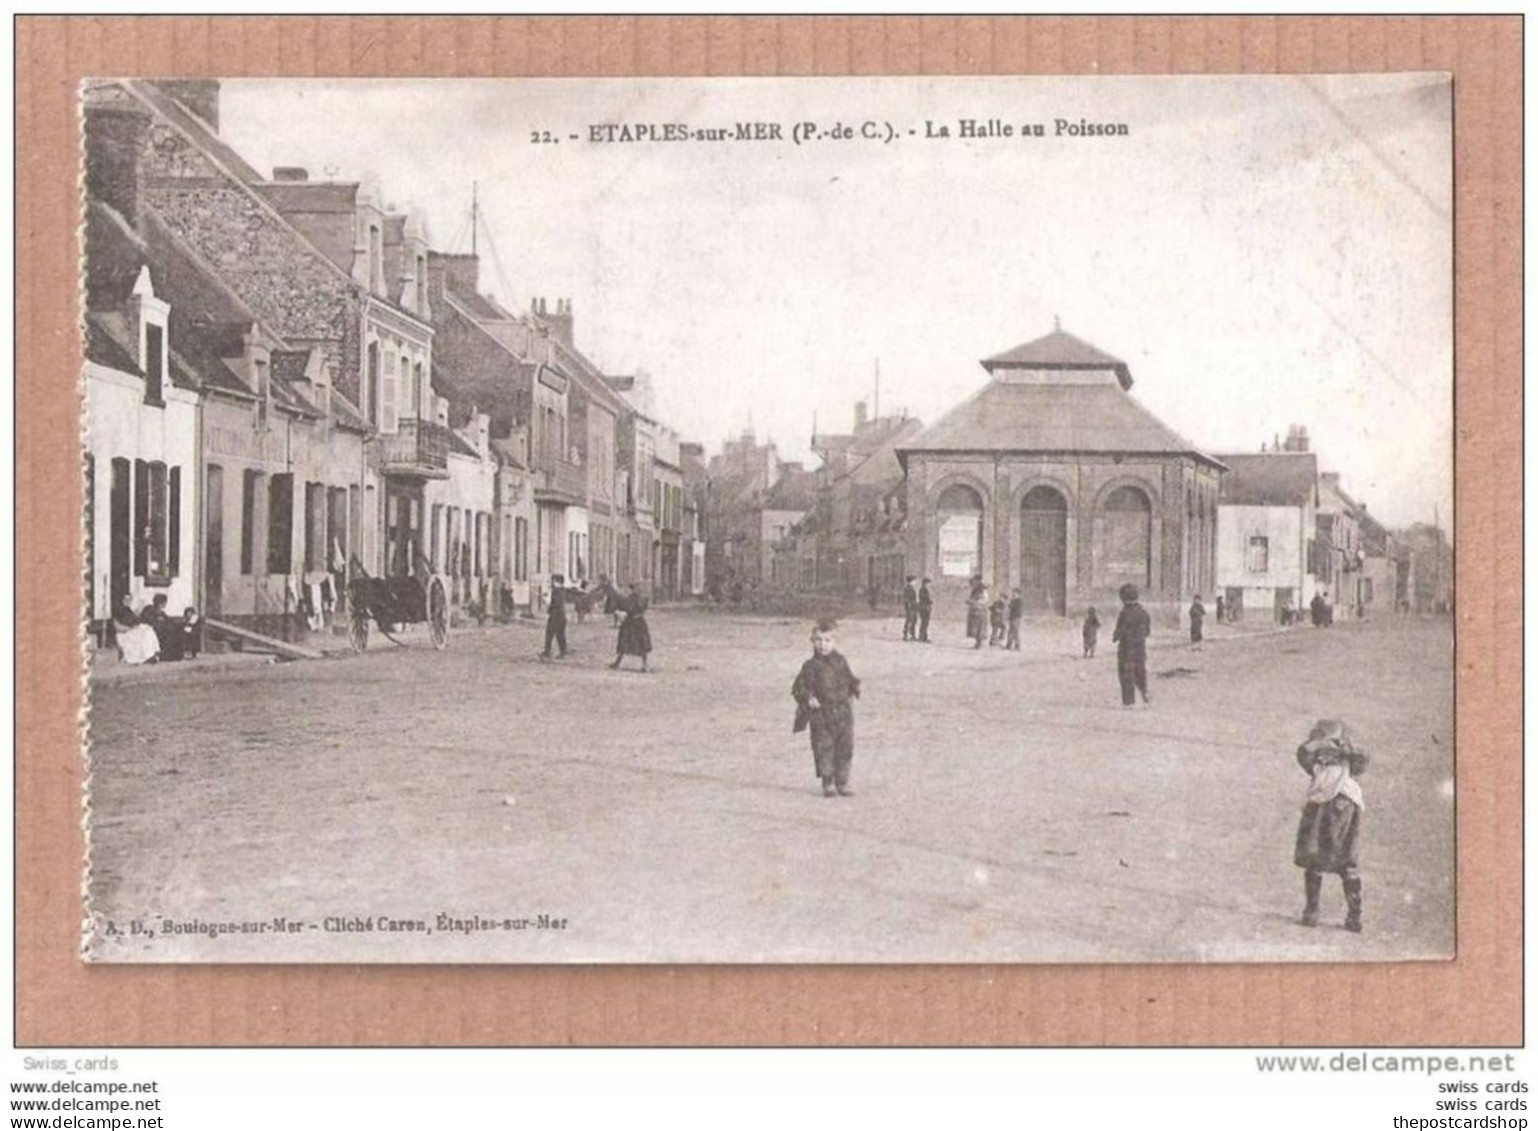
<point>108,671</point>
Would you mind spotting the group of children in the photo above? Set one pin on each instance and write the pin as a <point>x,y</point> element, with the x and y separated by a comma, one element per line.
<point>152,635</point>
<point>1327,839</point>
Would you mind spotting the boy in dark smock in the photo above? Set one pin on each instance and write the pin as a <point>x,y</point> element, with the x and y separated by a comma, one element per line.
<point>910,608</point>
<point>1198,614</point>
<point>1016,615</point>
<point>1131,639</point>
<point>926,610</point>
<point>824,691</point>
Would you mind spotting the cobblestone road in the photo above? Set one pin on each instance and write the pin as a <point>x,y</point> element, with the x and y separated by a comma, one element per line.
<point>408,805</point>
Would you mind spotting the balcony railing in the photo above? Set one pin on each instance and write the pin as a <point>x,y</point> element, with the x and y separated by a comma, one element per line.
<point>560,478</point>
<point>418,447</point>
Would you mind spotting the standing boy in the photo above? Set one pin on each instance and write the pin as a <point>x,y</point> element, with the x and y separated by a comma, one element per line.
<point>1130,638</point>
<point>824,692</point>
<point>1198,614</point>
<point>926,607</point>
<point>555,623</point>
<point>910,608</point>
<point>1016,614</point>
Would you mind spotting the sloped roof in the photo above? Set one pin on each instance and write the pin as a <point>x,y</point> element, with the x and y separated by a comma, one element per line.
<point>796,491</point>
<point>507,451</point>
<point>208,140</point>
<point>1269,479</point>
<point>1059,350</point>
<point>103,348</point>
<point>1009,417</point>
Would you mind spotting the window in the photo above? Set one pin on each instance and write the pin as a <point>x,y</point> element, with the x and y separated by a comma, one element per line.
<point>336,530</point>
<point>250,492</point>
<point>154,364</point>
<point>416,391</point>
<point>520,549</point>
<point>280,523</point>
<point>174,520</point>
<point>1258,554</point>
<point>1127,543</point>
<point>388,417</point>
<point>435,539</point>
<point>372,393</point>
<point>153,534</point>
<point>314,527</point>
<point>960,513</point>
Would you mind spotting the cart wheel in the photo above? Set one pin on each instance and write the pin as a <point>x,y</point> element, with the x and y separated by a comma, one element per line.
<point>437,614</point>
<point>357,626</point>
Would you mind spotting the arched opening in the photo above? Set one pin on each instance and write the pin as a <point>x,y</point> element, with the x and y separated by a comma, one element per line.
<point>1127,537</point>
<point>1044,550</point>
<point>959,515</point>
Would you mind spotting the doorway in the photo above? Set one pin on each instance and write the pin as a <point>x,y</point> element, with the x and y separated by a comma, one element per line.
<point>1044,550</point>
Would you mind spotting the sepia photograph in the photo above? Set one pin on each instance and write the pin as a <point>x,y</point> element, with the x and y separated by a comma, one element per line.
<point>768,520</point>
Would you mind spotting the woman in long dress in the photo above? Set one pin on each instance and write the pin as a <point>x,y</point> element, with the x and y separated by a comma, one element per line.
<point>977,612</point>
<point>635,637</point>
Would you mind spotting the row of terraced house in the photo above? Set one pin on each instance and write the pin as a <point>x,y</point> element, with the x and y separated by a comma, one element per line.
<point>288,387</point>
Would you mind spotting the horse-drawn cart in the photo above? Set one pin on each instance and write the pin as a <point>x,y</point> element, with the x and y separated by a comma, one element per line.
<point>395,601</point>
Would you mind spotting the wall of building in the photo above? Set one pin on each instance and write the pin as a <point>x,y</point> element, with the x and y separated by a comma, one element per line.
<point>1002,481</point>
<point>236,440</point>
<point>121,426</point>
<point>1287,531</point>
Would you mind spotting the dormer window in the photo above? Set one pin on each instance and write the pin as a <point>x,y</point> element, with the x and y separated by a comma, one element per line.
<point>150,315</point>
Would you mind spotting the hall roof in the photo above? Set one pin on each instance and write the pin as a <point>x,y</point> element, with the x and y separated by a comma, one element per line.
<point>1059,350</point>
<point>1060,419</point>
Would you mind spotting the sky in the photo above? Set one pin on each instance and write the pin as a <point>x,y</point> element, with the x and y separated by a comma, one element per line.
<point>1261,251</point>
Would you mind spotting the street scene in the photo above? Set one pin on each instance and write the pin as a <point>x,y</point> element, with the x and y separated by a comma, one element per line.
<point>1006,807</point>
<point>910,555</point>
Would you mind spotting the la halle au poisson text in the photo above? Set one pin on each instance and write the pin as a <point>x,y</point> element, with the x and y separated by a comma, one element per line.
<point>962,129</point>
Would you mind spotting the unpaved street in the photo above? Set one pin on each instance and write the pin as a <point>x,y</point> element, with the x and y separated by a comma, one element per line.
<point>1007,809</point>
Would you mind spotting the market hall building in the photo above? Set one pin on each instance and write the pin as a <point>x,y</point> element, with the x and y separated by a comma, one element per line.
<point>1054,479</point>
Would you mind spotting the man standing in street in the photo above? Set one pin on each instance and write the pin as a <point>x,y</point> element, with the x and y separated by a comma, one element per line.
<point>926,607</point>
<point>911,608</point>
<point>1131,640</point>
<point>555,623</point>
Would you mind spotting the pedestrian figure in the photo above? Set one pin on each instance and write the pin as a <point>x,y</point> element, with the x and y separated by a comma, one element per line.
<point>1016,614</point>
<point>1091,632</point>
<point>824,691</point>
<point>1220,607</point>
<point>1198,614</point>
<point>1316,609</point>
<point>910,608</point>
<point>1130,637</point>
<point>996,622</point>
<point>555,621</point>
<point>977,612</point>
<point>1332,818</point>
<point>926,608</point>
<point>191,627</point>
<point>635,635</point>
<point>584,602</point>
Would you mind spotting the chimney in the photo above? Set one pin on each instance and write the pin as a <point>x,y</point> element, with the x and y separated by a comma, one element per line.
<point>560,322</point>
<point>459,273</point>
<point>290,174</point>
<point>1297,438</point>
<point>116,144</point>
<point>201,96</point>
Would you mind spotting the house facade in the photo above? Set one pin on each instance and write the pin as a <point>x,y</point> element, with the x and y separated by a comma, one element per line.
<point>1267,513</point>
